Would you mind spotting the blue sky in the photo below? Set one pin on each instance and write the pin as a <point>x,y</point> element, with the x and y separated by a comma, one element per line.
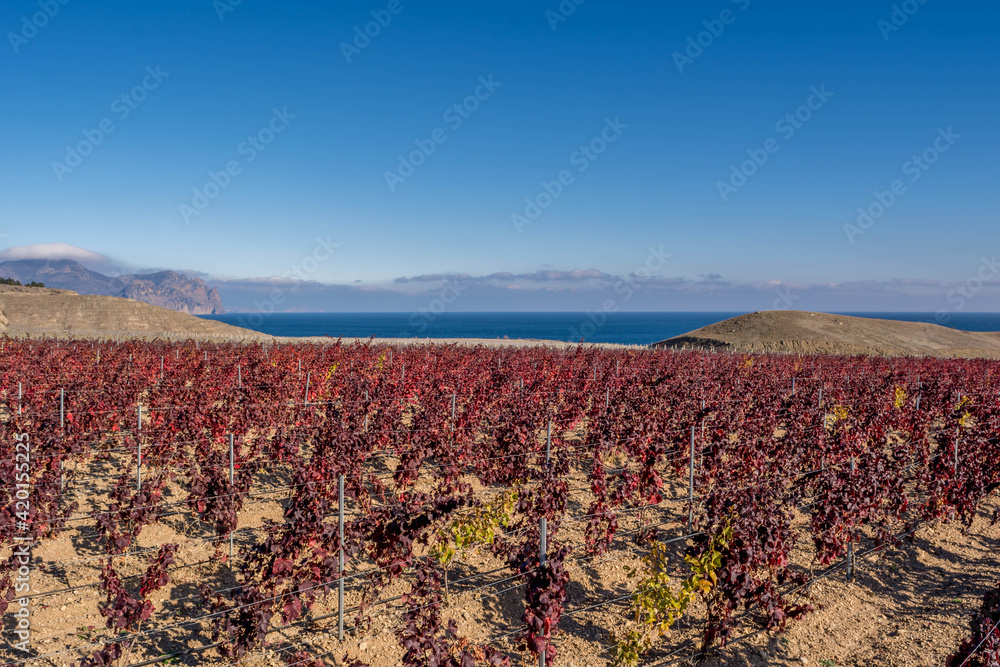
<point>204,81</point>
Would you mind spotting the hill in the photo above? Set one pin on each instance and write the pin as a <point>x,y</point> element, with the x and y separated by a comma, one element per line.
<point>45,311</point>
<point>819,333</point>
<point>167,289</point>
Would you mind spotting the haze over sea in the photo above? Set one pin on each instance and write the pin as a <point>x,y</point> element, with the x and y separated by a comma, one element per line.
<point>621,327</point>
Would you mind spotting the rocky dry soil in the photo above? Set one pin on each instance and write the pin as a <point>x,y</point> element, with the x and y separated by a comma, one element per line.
<point>31,311</point>
<point>908,605</point>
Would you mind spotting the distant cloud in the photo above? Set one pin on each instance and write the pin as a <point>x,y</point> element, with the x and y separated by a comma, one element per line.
<point>557,289</point>
<point>92,260</point>
<point>576,274</point>
<point>52,251</point>
<point>433,277</point>
<point>506,276</point>
<point>714,279</point>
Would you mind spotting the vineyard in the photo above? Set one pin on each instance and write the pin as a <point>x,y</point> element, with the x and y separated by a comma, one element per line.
<point>177,502</point>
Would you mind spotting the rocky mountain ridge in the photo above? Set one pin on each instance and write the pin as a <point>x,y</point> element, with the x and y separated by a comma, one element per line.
<point>167,289</point>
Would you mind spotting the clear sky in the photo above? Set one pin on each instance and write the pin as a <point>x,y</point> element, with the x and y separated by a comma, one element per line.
<point>643,108</point>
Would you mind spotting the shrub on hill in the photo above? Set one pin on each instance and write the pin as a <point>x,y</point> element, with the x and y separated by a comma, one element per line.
<point>17,283</point>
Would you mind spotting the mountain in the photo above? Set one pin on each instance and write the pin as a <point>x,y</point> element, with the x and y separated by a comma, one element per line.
<point>61,274</point>
<point>175,291</point>
<point>166,289</point>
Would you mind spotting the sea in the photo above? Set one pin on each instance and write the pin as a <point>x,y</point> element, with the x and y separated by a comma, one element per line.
<point>637,328</point>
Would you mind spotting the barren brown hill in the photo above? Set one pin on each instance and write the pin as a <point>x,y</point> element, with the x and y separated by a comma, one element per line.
<point>43,311</point>
<point>793,331</point>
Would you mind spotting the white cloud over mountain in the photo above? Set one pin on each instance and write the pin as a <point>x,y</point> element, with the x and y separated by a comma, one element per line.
<point>53,251</point>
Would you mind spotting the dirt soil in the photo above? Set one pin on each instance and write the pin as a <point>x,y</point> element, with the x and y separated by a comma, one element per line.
<point>800,332</point>
<point>908,605</point>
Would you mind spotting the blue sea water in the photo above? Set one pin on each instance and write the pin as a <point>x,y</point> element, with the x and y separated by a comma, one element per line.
<point>621,327</point>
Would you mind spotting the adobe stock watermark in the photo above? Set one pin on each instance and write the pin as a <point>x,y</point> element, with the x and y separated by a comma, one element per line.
<point>901,13</point>
<point>714,28</point>
<point>581,159</point>
<point>424,316</point>
<point>967,290</point>
<point>786,126</point>
<point>223,7</point>
<point>122,107</point>
<point>248,150</point>
<point>363,36</point>
<point>625,288</point>
<point>915,167</point>
<point>562,13</point>
<point>303,271</point>
<point>785,299</point>
<point>22,540</point>
<point>31,25</point>
<point>455,116</point>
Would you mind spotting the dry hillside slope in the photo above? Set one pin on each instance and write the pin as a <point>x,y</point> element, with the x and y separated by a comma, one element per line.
<point>800,332</point>
<point>41,311</point>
